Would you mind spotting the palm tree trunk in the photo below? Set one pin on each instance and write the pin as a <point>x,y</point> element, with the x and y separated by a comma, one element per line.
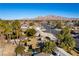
<point>8,40</point>
<point>17,34</point>
<point>15,41</point>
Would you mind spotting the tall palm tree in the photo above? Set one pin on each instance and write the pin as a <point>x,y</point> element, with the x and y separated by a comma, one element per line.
<point>8,31</point>
<point>49,47</point>
<point>16,29</point>
<point>66,39</point>
<point>2,27</point>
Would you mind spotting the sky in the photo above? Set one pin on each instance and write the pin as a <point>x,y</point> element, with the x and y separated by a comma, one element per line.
<point>31,10</point>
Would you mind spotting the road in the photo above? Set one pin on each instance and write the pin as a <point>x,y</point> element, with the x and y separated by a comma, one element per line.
<point>48,29</point>
<point>61,52</point>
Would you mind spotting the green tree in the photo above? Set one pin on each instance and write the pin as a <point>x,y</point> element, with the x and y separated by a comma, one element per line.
<point>19,50</point>
<point>49,47</point>
<point>2,28</point>
<point>16,28</point>
<point>30,32</point>
<point>8,31</point>
<point>66,40</point>
<point>59,24</point>
<point>5,28</point>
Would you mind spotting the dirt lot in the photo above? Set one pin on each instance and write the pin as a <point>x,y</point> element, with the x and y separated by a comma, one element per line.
<point>74,53</point>
<point>7,49</point>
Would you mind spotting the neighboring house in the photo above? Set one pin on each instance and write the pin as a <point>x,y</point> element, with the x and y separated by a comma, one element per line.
<point>70,24</point>
<point>75,29</point>
<point>45,34</point>
<point>51,36</point>
<point>24,27</point>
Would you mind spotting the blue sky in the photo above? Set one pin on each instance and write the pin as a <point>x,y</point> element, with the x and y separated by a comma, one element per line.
<point>30,10</point>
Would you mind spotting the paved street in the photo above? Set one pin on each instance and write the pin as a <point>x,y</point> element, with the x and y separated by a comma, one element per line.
<point>48,29</point>
<point>61,52</point>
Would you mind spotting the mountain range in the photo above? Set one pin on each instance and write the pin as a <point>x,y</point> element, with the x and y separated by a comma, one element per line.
<point>50,17</point>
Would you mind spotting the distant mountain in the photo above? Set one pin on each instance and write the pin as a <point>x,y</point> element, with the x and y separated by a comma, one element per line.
<point>50,17</point>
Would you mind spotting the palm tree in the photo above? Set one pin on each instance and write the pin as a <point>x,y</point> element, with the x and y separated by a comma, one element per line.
<point>16,27</point>
<point>66,40</point>
<point>30,32</point>
<point>16,30</point>
<point>2,28</point>
<point>8,31</point>
<point>49,47</point>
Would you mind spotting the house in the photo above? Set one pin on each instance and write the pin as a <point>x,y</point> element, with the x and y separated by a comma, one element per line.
<point>24,27</point>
